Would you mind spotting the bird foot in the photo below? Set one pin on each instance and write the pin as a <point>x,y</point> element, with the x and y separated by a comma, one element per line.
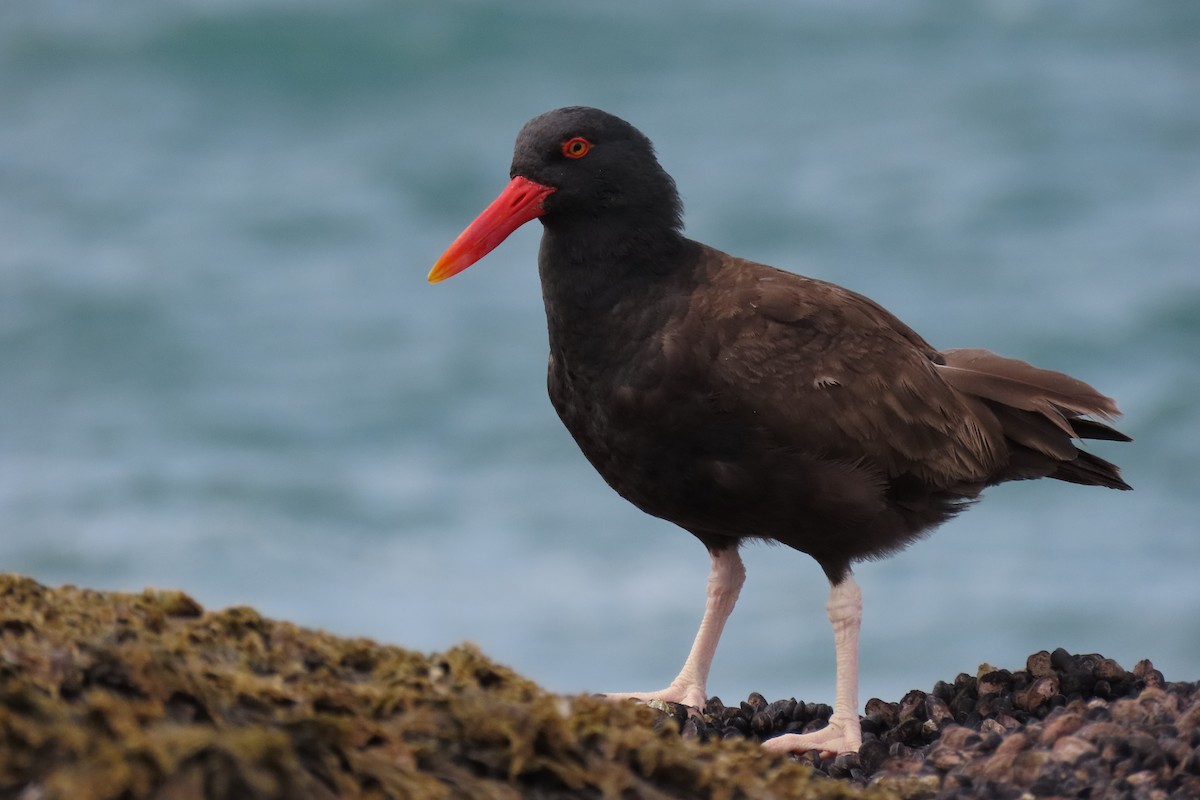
<point>839,736</point>
<point>681,694</point>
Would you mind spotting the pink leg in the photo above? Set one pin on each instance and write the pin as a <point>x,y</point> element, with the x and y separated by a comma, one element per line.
<point>724,583</point>
<point>843,734</point>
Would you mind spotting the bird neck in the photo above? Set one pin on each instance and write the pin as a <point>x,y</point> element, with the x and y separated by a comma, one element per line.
<point>611,285</point>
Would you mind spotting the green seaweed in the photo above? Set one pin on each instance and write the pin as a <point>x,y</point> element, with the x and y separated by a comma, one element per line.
<point>107,696</point>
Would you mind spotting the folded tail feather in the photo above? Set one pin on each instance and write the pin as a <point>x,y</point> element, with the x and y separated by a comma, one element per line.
<point>1041,413</point>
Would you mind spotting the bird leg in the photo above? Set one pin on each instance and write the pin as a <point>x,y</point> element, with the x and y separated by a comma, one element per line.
<point>725,581</point>
<point>843,734</point>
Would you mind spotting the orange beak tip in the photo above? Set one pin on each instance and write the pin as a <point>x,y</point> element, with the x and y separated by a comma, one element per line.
<point>520,202</point>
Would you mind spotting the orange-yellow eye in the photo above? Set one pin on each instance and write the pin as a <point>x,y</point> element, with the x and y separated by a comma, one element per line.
<point>576,148</point>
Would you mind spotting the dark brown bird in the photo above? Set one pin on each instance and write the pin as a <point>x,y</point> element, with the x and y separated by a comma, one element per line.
<point>743,402</point>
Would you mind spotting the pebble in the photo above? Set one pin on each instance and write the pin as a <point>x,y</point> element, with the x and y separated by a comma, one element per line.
<point>1065,725</point>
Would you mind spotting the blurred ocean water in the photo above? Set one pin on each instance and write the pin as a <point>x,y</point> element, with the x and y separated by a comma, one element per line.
<point>221,368</point>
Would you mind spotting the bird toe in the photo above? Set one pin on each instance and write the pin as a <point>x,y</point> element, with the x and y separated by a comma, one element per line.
<point>834,739</point>
<point>693,696</point>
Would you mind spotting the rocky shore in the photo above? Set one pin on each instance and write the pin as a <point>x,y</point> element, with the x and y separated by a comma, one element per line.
<point>1065,726</point>
<point>110,695</point>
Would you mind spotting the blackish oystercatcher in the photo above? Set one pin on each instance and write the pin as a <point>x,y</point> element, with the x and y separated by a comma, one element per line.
<point>743,402</point>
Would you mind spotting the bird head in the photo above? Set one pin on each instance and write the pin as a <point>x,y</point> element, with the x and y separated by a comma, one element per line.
<point>573,168</point>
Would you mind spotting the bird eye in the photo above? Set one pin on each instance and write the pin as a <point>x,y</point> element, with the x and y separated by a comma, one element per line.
<point>576,148</point>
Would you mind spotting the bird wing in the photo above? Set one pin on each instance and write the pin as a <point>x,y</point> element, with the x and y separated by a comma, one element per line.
<point>829,373</point>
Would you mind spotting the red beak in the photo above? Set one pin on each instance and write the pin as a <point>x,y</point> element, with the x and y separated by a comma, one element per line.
<point>520,202</point>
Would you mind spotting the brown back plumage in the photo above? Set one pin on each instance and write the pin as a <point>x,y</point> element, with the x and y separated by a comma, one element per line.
<point>854,436</point>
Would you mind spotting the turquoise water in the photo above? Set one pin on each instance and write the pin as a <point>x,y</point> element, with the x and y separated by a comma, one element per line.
<point>221,368</point>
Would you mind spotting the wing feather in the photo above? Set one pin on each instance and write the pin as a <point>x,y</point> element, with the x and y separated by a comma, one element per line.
<point>829,372</point>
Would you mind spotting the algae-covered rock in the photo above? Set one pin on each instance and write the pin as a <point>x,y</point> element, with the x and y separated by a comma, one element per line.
<point>110,695</point>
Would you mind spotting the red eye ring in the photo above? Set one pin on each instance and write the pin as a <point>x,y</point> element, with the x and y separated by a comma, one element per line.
<point>576,147</point>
